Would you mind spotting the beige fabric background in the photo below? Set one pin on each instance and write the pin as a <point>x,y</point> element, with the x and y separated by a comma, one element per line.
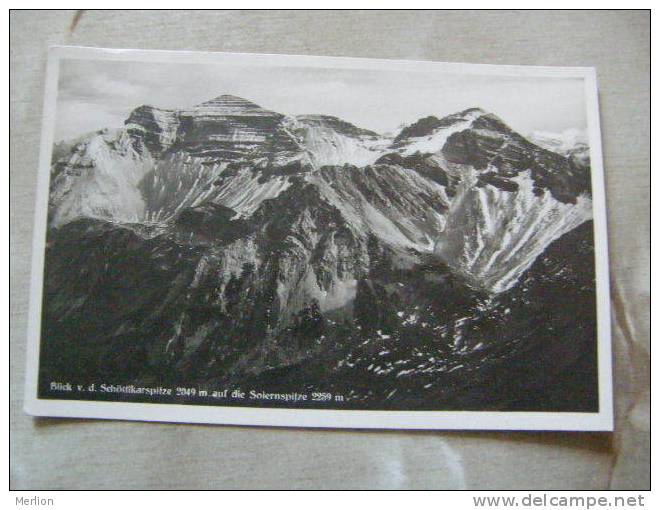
<point>57,453</point>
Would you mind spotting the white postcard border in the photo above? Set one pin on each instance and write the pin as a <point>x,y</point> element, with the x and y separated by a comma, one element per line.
<point>603,420</point>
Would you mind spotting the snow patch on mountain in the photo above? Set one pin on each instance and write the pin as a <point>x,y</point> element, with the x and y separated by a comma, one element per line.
<point>433,142</point>
<point>330,141</point>
<point>492,236</point>
<point>488,224</point>
<point>246,191</point>
<point>99,178</point>
<point>178,181</point>
<point>155,126</point>
<point>561,143</point>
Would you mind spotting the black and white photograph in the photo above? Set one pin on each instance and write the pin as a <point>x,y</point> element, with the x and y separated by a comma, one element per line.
<point>316,241</point>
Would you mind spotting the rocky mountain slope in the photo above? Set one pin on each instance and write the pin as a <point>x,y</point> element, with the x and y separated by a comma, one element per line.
<point>228,241</point>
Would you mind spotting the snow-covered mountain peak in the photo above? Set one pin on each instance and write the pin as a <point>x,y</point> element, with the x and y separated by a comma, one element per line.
<point>464,187</point>
<point>336,124</point>
<point>571,143</point>
<point>428,126</point>
<point>429,134</point>
<point>98,177</point>
<point>229,99</point>
<point>332,141</point>
<point>228,104</point>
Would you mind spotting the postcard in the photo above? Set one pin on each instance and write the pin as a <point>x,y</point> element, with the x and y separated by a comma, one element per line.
<point>320,242</point>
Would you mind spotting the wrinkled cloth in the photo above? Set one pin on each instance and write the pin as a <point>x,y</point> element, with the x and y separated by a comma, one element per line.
<point>93,454</point>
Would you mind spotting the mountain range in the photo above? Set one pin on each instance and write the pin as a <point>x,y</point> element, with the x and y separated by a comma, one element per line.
<point>229,244</point>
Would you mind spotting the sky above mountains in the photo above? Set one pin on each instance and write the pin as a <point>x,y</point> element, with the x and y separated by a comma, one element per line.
<point>95,94</point>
